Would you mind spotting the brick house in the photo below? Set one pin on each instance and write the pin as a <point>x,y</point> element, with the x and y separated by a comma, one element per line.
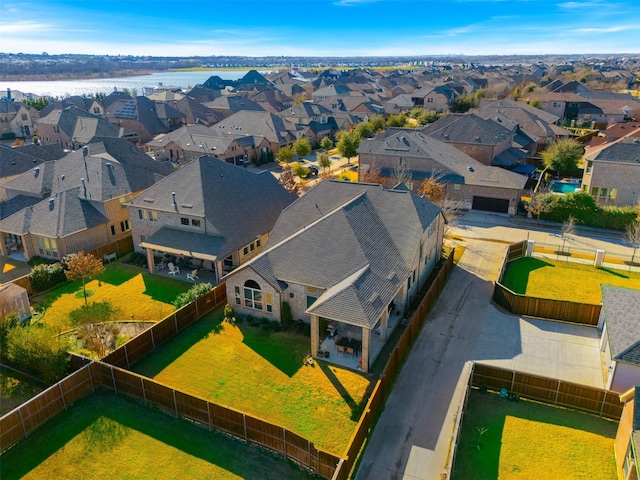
<point>627,442</point>
<point>347,254</point>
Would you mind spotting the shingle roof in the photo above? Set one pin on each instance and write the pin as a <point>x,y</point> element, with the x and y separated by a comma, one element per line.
<point>468,128</point>
<point>621,307</point>
<point>356,241</point>
<point>617,152</point>
<point>17,160</point>
<point>237,204</point>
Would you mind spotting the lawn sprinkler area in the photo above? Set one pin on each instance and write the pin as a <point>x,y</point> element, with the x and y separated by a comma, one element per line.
<point>261,371</point>
<point>526,440</point>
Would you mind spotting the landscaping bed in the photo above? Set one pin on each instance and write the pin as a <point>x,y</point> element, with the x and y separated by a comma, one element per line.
<point>258,370</point>
<point>562,280</point>
<point>107,436</point>
<point>529,441</point>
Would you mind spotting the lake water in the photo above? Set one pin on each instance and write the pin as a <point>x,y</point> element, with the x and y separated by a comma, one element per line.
<point>65,88</point>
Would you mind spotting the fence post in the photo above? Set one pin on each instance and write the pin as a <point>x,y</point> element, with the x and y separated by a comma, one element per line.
<point>555,400</point>
<point>175,402</point>
<point>64,404</point>
<point>153,340</point>
<point>144,394</point>
<point>244,423</point>
<point>604,398</point>
<point>309,448</point>
<point>175,322</point>
<point>513,380</point>
<point>284,440</point>
<point>126,355</point>
<point>24,429</point>
<point>209,415</point>
<point>88,367</point>
<point>113,377</point>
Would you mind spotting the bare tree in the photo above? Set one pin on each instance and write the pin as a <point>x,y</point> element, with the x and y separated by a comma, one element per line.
<point>400,175</point>
<point>541,202</point>
<point>568,228</point>
<point>632,237</point>
<point>373,174</point>
<point>287,179</point>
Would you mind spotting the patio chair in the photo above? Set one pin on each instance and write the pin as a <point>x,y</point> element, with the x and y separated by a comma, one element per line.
<point>173,269</point>
<point>351,351</point>
<point>193,275</point>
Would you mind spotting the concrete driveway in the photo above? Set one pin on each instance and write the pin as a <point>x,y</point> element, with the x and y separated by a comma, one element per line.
<point>412,437</point>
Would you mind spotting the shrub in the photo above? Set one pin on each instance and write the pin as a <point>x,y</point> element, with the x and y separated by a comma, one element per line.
<point>44,276</point>
<point>285,314</point>
<point>192,294</point>
<point>38,351</point>
<point>36,260</point>
<point>137,258</point>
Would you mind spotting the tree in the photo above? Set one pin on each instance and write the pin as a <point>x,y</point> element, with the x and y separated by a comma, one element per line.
<point>38,351</point>
<point>300,171</point>
<point>324,161</point>
<point>96,327</point>
<point>632,237</point>
<point>562,156</point>
<point>302,147</point>
<point>376,123</point>
<point>400,175</point>
<point>541,202</point>
<point>373,175</point>
<point>433,189</point>
<point>348,145</point>
<point>397,120</point>
<point>285,154</point>
<point>326,143</point>
<point>363,129</point>
<point>37,103</point>
<point>287,179</point>
<point>568,228</point>
<point>83,265</point>
<point>463,103</point>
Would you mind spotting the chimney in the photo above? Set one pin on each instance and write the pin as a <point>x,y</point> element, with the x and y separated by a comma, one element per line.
<point>9,94</point>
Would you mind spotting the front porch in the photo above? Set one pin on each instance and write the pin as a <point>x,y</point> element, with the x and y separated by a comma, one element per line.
<point>350,338</point>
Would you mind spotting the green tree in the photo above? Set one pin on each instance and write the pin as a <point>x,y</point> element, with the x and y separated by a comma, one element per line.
<point>285,154</point>
<point>83,266</point>
<point>324,161</point>
<point>302,147</point>
<point>38,351</point>
<point>300,171</point>
<point>8,320</point>
<point>530,87</point>
<point>376,123</point>
<point>326,143</point>
<point>348,145</point>
<point>397,120</point>
<point>463,103</point>
<point>363,129</point>
<point>37,103</point>
<point>562,156</point>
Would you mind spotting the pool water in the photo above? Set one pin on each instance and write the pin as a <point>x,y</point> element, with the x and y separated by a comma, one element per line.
<point>564,187</point>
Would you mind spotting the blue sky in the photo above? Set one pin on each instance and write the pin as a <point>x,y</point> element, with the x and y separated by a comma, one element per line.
<point>319,27</point>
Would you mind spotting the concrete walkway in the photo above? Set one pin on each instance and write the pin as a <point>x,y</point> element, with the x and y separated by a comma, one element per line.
<point>413,435</point>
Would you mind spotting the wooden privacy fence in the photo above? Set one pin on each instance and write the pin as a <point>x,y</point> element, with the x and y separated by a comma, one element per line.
<point>167,328</point>
<point>378,396</point>
<point>596,401</point>
<point>566,311</point>
<point>203,412</point>
<point>573,312</point>
<point>23,420</point>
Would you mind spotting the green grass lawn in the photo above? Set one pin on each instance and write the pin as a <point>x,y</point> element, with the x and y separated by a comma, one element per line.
<point>107,436</point>
<point>261,373</point>
<point>564,280</point>
<point>15,389</point>
<point>531,441</point>
<point>135,291</point>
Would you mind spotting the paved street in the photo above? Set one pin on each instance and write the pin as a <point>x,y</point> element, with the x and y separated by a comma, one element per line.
<point>412,437</point>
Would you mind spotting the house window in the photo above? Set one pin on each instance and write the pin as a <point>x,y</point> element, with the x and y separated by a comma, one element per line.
<point>236,291</point>
<point>184,221</point>
<point>96,110</point>
<point>409,282</point>
<point>456,186</point>
<point>113,230</point>
<point>268,301</point>
<point>153,216</point>
<point>589,166</point>
<point>122,200</point>
<point>24,117</point>
<point>311,300</point>
<point>594,191</point>
<point>246,250</point>
<point>603,192</point>
<point>258,243</point>
<point>124,226</point>
<point>613,193</point>
<point>195,223</point>
<point>312,295</point>
<point>429,100</point>
<point>252,295</point>
<point>253,247</point>
<point>47,247</point>
<point>142,214</point>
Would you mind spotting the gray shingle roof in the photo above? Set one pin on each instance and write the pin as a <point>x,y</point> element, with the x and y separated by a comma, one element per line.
<point>468,128</point>
<point>17,160</point>
<point>356,241</point>
<point>621,307</point>
<point>617,152</point>
<point>237,204</point>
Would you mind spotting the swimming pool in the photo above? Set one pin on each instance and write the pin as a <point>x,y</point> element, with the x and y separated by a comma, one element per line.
<point>564,187</point>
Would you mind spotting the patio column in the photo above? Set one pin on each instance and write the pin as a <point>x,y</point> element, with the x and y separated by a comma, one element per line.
<point>366,343</point>
<point>3,246</point>
<point>315,335</point>
<point>151,262</point>
<point>384,323</point>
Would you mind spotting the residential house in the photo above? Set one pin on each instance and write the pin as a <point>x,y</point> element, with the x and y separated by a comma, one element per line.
<point>439,98</point>
<point>17,160</point>
<point>412,157</point>
<point>75,203</point>
<point>489,141</point>
<point>612,172</point>
<point>72,127</point>
<point>213,215</point>
<point>227,105</point>
<point>627,442</point>
<point>16,120</point>
<point>620,341</point>
<point>14,298</point>
<point>315,120</point>
<point>87,104</point>
<point>345,256</point>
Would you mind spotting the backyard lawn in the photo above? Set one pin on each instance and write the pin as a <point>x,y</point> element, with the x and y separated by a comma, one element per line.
<point>564,280</point>
<point>261,373</point>
<point>529,441</point>
<point>140,295</point>
<point>106,436</point>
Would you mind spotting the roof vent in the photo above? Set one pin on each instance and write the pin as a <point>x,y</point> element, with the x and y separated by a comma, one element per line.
<point>36,170</point>
<point>173,194</point>
<point>470,169</point>
<point>51,200</point>
<point>108,164</point>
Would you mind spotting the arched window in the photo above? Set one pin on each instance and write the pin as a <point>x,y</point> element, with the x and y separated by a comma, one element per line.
<point>252,295</point>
